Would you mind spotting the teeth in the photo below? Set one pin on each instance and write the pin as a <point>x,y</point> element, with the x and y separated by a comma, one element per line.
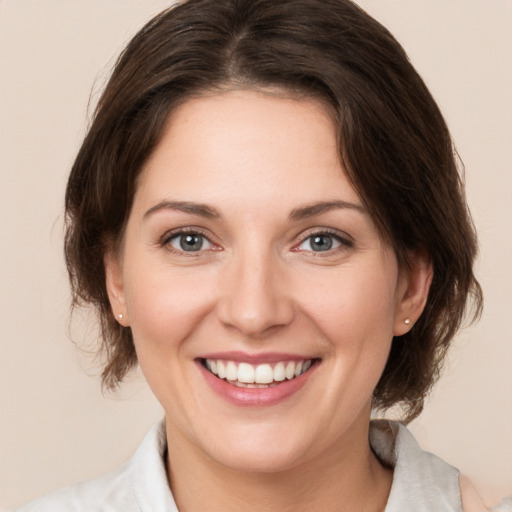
<point>242,385</point>
<point>231,371</point>
<point>290,370</point>
<point>257,376</point>
<point>221,370</point>
<point>245,373</point>
<point>264,374</point>
<point>279,374</point>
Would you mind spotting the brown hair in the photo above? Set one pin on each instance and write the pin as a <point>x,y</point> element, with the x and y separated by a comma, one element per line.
<point>393,142</point>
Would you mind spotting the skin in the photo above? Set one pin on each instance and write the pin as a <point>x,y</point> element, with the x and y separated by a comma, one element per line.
<point>471,500</point>
<point>257,285</point>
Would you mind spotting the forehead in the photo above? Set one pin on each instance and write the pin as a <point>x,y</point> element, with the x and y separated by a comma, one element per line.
<point>248,142</point>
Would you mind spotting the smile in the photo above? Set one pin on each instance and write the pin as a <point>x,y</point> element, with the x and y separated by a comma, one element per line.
<point>257,376</point>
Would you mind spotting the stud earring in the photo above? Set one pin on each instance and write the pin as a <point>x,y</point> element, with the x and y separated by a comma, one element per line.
<point>120,316</point>
<point>407,321</point>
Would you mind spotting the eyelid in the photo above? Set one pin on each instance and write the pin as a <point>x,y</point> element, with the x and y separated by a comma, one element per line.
<point>169,235</point>
<point>343,238</point>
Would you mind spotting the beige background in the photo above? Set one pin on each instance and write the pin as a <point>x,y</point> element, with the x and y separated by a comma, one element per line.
<point>56,427</point>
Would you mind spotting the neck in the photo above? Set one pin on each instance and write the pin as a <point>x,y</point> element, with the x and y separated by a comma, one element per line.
<point>349,477</point>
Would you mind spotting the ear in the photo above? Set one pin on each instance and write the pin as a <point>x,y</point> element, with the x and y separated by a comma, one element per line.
<point>413,288</point>
<point>115,287</point>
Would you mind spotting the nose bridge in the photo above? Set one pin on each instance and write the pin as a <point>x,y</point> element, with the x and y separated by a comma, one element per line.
<point>254,298</point>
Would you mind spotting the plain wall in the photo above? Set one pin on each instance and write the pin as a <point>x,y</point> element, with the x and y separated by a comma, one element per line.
<point>55,425</point>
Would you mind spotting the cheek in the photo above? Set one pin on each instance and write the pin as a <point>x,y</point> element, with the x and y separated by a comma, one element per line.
<point>164,306</point>
<point>352,305</point>
<point>355,314</point>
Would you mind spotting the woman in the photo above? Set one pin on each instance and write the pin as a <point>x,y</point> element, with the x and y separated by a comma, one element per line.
<point>266,213</point>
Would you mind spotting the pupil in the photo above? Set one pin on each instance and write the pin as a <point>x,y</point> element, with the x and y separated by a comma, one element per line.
<point>191,242</point>
<point>321,243</point>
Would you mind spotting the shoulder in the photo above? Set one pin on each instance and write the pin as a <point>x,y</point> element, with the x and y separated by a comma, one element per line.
<point>471,501</point>
<point>139,484</point>
<point>421,480</point>
<point>111,490</point>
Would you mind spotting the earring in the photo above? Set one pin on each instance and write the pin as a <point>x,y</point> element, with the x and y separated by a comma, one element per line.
<point>120,316</point>
<point>407,321</point>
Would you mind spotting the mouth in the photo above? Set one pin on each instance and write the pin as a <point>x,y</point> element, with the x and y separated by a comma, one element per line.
<point>261,376</point>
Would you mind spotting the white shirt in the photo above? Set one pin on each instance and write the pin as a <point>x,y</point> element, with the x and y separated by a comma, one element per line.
<point>422,482</point>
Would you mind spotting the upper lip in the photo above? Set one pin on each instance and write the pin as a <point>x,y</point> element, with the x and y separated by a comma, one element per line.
<point>256,358</point>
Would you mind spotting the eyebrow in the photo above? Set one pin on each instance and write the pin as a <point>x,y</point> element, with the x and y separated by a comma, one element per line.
<point>299,213</point>
<point>203,210</point>
<point>311,210</point>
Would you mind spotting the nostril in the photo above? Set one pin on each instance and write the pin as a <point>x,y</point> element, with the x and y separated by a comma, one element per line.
<point>254,298</point>
<point>255,317</point>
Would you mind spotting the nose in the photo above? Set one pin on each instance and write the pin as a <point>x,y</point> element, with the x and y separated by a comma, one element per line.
<point>255,297</point>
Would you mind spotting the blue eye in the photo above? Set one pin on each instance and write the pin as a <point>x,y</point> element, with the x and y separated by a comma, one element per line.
<point>320,242</point>
<point>189,242</point>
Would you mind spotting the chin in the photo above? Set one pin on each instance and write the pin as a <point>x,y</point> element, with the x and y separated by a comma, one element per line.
<point>260,452</point>
<point>260,461</point>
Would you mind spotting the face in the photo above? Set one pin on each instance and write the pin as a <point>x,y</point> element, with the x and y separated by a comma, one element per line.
<point>261,298</point>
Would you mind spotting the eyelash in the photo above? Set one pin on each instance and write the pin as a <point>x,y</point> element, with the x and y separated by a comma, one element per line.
<point>176,234</point>
<point>343,242</point>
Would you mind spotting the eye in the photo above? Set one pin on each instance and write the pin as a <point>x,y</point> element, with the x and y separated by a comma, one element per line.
<point>189,242</point>
<point>320,242</point>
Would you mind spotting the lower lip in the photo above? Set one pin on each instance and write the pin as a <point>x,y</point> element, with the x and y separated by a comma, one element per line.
<point>255,397</point>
